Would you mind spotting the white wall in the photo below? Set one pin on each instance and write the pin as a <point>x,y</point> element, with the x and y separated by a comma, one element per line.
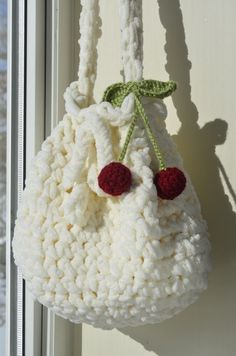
<point>194,44</point>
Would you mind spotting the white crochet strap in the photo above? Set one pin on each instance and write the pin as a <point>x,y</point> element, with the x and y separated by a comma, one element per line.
<point>89,33</point>
<point>131,38</point>
<point>131,42</point>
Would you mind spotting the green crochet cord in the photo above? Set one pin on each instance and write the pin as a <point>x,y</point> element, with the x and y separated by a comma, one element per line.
<point>116,93</point>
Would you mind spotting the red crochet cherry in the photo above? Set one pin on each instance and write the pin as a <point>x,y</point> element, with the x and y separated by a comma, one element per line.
<point>115,179</point>
<point>170,183</point>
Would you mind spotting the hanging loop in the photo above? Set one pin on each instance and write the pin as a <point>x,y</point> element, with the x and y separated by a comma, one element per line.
<point>80,93</point>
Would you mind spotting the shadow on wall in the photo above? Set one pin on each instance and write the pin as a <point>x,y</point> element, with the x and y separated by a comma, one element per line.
<point>207,327</point>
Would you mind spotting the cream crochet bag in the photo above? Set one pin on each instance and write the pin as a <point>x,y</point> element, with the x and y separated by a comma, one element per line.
<point>91,257</point>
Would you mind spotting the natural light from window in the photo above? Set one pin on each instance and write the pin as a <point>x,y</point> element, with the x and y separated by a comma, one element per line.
<point>3,78</point>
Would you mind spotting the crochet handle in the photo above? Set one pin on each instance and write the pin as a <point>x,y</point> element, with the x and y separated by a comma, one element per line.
<point>130,12</point>
<point>131,27</point>
<point>89,34</point>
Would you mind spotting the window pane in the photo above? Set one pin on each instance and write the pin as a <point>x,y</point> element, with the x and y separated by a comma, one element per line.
<point>3,78</point>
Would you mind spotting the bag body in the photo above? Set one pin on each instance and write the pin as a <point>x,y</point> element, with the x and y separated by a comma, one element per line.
<point>109,261</point>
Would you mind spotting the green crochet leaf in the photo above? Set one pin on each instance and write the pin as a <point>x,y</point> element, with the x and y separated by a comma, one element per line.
<point>116,93</point>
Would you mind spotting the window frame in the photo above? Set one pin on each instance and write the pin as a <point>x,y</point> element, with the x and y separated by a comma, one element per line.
<point>42,61</point>
<point>15,172</point>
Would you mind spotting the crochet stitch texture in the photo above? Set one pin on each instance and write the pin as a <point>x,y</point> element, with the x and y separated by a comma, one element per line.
<point>90,257</point>
<point>169,183</point>
<point>109,262</point>
<point>115,179</point>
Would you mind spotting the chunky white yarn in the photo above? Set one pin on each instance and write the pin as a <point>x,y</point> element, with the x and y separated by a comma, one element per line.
<point>80,93</point>
<point>108,261</point>
<point>131,38</point>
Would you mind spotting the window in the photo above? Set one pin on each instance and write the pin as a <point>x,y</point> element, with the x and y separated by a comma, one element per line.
<point>3,82</point>
<point>38,75</point>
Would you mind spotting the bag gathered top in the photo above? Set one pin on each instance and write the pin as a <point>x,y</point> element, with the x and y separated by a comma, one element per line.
<point>109,230</point>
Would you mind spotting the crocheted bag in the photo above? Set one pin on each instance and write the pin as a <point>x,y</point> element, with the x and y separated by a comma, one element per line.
<point>103,242</point>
